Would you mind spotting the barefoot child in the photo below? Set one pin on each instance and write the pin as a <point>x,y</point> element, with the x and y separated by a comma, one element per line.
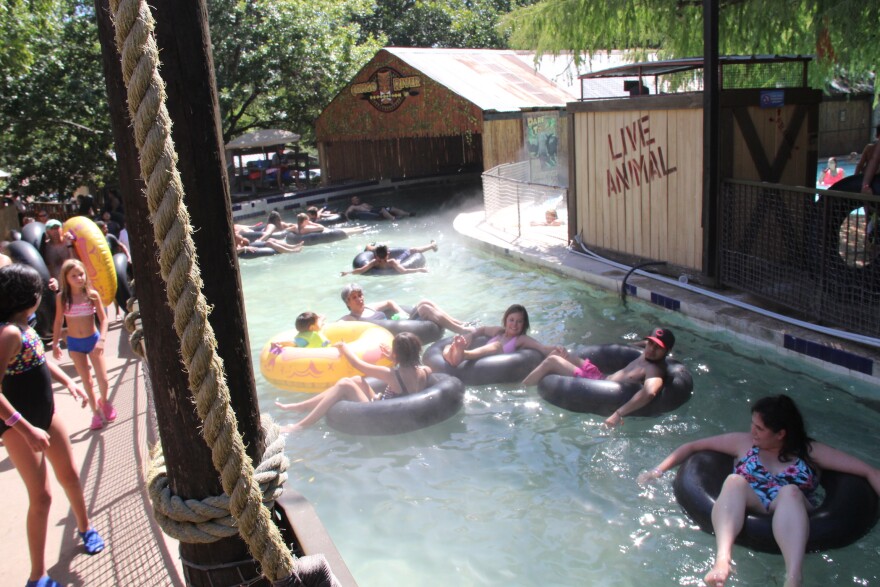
<point>30,432</point>
<point>79,304</point>
<point>408,376</point>
<point>505,339</point>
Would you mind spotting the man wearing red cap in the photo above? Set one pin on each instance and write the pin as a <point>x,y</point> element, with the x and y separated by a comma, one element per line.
<point>649,370</point>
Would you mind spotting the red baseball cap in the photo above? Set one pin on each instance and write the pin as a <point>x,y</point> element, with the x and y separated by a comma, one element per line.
<point>663,337</point>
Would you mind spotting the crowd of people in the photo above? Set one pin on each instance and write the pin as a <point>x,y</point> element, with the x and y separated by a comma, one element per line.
<point>32,434</point>
<point>774,469</point>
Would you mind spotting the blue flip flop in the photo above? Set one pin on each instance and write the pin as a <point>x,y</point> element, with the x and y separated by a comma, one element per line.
<point>92,541</point>
<point>46,581</point>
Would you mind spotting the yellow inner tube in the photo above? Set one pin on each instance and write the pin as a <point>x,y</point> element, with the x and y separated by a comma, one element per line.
<point>313,370</point>
<point>94,252</point>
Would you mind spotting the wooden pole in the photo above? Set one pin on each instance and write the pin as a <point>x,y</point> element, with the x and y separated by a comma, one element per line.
<point>711,149</point>
<point>182,36</point>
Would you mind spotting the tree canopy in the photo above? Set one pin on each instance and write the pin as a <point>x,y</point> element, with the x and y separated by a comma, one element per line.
<point>840,32</point>
<point>279,62</point>
<point>54,121</point>
<point>451,23</point>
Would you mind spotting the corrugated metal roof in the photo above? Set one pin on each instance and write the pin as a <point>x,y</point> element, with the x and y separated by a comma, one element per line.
<point>498,80</point>
<point>667,66</point>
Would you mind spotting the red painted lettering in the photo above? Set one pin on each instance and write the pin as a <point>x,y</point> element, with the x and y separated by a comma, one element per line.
<point>645,128</point>
<point>611,148</point>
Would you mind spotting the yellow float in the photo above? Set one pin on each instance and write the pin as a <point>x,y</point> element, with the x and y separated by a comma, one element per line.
<point>94,252</point>
<point>313,370</point>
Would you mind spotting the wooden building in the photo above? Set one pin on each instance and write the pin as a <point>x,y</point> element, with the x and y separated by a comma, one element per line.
<point>413,112</point>
<point>637,163</point>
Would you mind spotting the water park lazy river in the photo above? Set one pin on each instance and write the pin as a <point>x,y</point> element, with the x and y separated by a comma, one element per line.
<point>513,490</point>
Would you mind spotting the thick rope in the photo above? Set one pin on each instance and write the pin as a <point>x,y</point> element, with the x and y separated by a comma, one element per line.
<point>208,520</point>
<point>177,261</point>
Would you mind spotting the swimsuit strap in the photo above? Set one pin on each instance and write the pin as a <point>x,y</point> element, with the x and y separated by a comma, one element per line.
<point>400,382</point>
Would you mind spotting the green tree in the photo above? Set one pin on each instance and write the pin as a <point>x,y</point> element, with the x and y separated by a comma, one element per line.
<point>53,114</point>
<point>23,22</point>
<point>841,32</point>
<point>279,62</point>
<point>453,23</point>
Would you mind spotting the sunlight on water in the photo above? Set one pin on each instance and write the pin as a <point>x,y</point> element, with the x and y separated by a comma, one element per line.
<point>516,492</point>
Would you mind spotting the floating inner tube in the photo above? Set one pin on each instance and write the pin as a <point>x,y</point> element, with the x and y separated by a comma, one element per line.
<point>402,255</point>
<point>831,212</point>
<point>362,215</point>
<point>123,279</point>
<point>425,330</point>
<point>313,370</point>
<point>253,235</point>
<point>257,250</point>
<point>331,219</point>
<point>25,253</point>
<point>848,512</point>
<point>317,238</point>
<point>502,368</point>
<point>439,401</point>
<point>596,396</point>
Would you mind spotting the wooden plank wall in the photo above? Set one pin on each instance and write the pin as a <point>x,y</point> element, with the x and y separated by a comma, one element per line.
<point>346,161</point>
<point>770,144</point>
<point>503,142</point>
<point>844,124</point>
<point>638,184</point>
<point>774,145</point>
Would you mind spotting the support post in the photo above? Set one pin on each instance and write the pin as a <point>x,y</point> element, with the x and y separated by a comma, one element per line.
<point>711,148</point>
<point>196,130</point>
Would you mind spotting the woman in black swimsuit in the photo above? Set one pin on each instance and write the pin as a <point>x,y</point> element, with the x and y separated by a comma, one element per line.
<point>407,376</point>
<point>30,432</point>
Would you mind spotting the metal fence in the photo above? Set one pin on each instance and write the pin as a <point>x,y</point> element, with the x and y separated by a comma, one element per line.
<point>512,201</point>
<point>814,251</point>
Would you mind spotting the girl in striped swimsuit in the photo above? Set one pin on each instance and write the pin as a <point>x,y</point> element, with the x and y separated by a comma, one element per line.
<point>80,305</point>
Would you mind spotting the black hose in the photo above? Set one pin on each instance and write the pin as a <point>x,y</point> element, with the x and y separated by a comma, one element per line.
<point>630,272</point>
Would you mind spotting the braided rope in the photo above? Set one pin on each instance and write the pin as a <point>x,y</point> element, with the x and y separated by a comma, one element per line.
<point>178,264</point>
<point>208,520</point>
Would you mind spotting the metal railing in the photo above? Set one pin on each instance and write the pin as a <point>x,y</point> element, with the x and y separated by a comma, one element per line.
<point>814,251</point>
<point>512,201</point>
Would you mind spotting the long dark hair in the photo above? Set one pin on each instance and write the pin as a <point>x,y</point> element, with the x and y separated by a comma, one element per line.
<point>20,288</point>
<point>779,412</point>
<point>514,309</point>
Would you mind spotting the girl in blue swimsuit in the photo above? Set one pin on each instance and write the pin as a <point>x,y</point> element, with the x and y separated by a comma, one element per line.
<point>30,432</point>
<point>81,306</point>
<point>776,471</point>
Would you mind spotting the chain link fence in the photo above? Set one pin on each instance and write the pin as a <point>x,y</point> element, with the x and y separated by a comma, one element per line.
<point>512,201</point>
<point>814,251</point>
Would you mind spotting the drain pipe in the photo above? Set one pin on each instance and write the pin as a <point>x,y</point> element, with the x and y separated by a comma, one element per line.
<point>852,337</point>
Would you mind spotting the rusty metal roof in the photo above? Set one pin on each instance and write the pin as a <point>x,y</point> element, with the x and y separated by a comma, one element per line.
<point>494,80</point>
<point>667,66</point>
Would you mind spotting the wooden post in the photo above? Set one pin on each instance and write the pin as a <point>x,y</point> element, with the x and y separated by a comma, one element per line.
<point>182,35</point>
<point>711,119</point>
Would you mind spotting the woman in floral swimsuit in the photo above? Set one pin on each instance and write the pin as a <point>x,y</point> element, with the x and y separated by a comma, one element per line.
<point>776,471</point>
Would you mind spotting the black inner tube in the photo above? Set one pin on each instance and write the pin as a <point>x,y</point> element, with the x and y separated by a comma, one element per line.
<point>847,513</point>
